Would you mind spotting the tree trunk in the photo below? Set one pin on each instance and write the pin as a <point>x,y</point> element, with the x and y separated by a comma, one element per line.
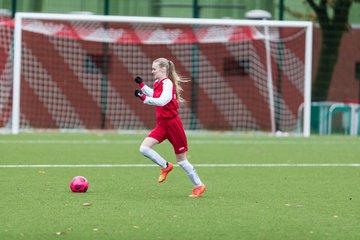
<point>332,30</point>
<point>327,60</point>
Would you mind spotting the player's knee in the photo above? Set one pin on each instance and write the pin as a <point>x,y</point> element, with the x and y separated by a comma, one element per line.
<point>144,150</point>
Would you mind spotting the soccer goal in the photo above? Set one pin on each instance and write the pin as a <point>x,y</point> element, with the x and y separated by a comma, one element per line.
<point>75,72</point>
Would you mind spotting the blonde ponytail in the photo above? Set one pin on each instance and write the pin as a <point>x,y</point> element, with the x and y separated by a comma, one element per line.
<point>173,76</point>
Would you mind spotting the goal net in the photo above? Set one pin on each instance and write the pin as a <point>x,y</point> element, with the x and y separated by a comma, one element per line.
<point>63,71</point>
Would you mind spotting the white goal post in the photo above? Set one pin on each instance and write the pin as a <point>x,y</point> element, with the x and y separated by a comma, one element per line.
<point>75,72</point>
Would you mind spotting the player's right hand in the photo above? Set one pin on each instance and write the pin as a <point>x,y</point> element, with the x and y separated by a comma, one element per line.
<point>138,80</point>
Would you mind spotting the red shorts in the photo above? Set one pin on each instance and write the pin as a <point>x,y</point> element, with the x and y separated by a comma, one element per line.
<point>172,130</point>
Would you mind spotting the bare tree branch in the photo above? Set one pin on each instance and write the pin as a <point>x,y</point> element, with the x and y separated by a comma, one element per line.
<point>323,3</point>
<point>313,5</point>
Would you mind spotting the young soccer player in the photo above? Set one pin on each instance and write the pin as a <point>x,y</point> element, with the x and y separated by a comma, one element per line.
<point>165,96</point>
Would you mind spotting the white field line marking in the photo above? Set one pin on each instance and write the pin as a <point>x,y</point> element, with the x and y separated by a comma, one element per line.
<point>218,142</point>
<point>196,165</point>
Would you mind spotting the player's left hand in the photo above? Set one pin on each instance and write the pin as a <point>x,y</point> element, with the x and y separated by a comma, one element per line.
<point>139,94</point>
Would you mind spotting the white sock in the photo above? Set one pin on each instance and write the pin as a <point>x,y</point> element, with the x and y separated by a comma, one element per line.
<point>191,172</point>
<point>153,155</point>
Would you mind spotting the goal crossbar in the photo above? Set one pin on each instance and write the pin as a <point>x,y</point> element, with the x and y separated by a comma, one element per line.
<point>164,20</point>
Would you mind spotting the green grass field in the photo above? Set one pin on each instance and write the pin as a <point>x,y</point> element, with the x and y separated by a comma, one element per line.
<point>262,195</point>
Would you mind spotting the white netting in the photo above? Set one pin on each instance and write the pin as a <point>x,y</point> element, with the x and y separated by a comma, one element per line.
<point>5,72</point>
<point>79,74</point>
